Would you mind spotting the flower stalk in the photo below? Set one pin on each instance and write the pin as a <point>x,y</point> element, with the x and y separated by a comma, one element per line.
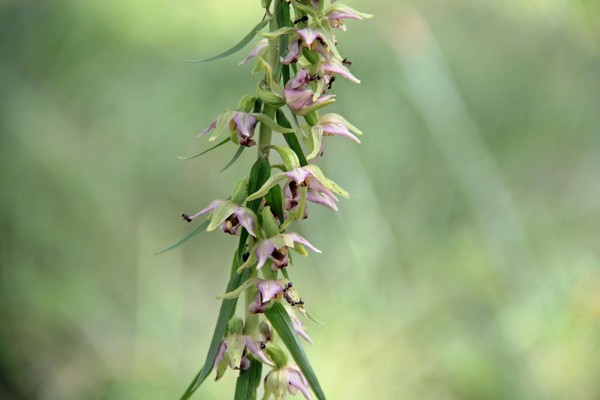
<point>299,62</point>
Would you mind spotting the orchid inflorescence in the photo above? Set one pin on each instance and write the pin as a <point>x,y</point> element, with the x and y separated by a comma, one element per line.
<point>299,61</point>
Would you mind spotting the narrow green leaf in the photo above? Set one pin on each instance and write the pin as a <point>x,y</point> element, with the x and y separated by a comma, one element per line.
<point>291,138</point>
<point>187,237</point>
<point>240,45</point>
<point>225,313</point>
<point>237,155</point>
<point>248,382</point>
<point>282,323</point>
<point>259,174</point>
<point>275,200</point>
<point>282,16</point>
<point>206,151</point>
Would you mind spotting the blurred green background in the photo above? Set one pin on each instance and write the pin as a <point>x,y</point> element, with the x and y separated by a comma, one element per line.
<point>465,265</point>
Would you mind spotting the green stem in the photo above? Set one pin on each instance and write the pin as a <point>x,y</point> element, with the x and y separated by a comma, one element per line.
<point>265,133</point>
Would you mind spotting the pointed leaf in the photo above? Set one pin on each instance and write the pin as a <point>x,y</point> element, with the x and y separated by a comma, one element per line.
<point>225,313</point>
<point>197,230</point>
<point>206,151</point>
<point>237,155</point>
<point>291,138</point>
<point>247,39</point>
<point>282,323</point>
<point>275,201</point>
<point>248,382</point>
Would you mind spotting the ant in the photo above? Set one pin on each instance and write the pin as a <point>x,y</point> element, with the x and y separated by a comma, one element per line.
<point>186,218</point>
<point>315,77</point>
<point>347,62</point>
<point>330,83</point>
<point>303,18</point>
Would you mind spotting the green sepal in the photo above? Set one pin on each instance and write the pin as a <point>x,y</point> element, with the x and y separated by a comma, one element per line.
<point>246,103</point>
<point>268,222</point>
<point>312,118</point>
<point>277,355</point>
<point>221,214</point>
<point>223,123</point>
<point>242,43</point>
<point>328,183</point>
<point>279,32</point>
<point>301,204</point>
<point>237,292</point>
<point>281,322</point>
<point>315,107</point>
<point>289,157</point>
<point>248,381</point>
<point>272,181</point>
<point>307,9</point>
<point>235,326</point>
<point>240,192</point>
<point>316,137</point>
<point>274,199</point>
<point>268,96</point>
<point>310,55</point>
<point>237,155</point>
<point>197,230</point>
<point>272,124</point>
<point>205,151</point>
<point>290,138</point>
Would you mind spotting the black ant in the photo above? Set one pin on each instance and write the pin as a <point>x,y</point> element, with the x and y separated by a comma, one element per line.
<point>347,62</point>
<point>186,218</point>
<point>315,77</point>
<point>304,18</point>
<point>330,83</point>
<point>263,345</point>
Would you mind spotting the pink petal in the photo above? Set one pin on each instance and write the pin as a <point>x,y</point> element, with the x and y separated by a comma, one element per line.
<point>260,46</point>
<point>269,289</point>
<point>298,381</point>
<point>298,175</point>
<point>299,239</point>
<point>263,252</point>
<point>322,199</point>
<point>246,219</point>
<point>220,353</point>
<point>212,126</point>
<point>294,53</point>
<point>256,350</point>
<point>214,204</point>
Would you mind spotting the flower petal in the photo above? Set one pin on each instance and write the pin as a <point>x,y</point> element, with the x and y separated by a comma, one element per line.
<point>246,218</point>
<point>299,239</point>
<point>257,351</point>
<point>263,252</point>
<point>260,46</point>
<point>213,204</point>
<point>298,381</point>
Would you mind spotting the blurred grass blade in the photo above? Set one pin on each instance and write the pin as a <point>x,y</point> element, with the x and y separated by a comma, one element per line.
<point>238,46</point>
<point>206,151</point>
<point>225,313</point>
<point>248,382</point>
<point>282,323</point>
<point>199,228</point>
<point>237,155</point>
<point>290,138</point>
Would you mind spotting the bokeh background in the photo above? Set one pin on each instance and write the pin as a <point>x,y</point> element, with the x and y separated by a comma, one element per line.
<point>465,265</point>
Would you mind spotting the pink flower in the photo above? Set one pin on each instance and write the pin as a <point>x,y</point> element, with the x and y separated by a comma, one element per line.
<point>230,217</point>
<point>232,352</point>
<point>237,121</point>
